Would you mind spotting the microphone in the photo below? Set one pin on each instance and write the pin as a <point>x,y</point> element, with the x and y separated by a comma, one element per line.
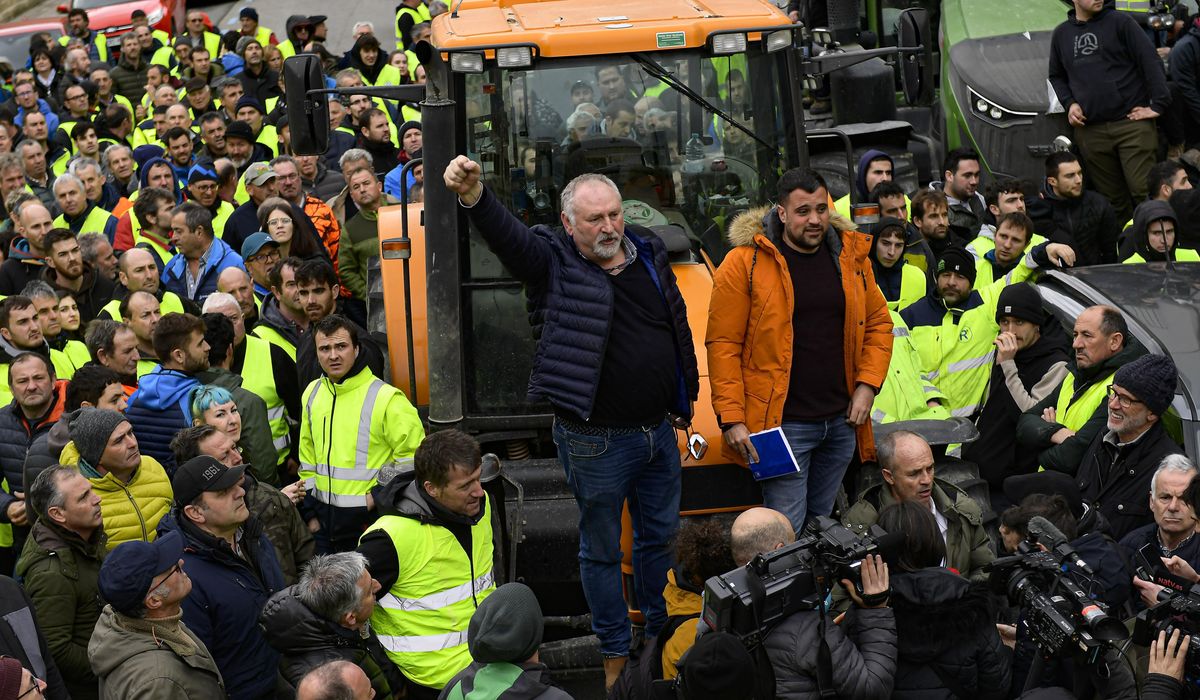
<point>1047,534</point>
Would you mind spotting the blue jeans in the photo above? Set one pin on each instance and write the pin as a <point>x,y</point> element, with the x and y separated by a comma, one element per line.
<point>603,472</point>
<point>823,450</point>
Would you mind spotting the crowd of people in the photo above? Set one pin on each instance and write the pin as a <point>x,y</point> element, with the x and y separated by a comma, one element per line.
<point>211,489</point>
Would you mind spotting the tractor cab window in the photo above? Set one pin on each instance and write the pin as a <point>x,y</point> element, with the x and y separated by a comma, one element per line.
<point>690,140</point>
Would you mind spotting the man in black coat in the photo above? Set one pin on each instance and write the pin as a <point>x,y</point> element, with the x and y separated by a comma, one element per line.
<point>1085,219</point>
<point>315,622</point>
<point>1031,361</point>
<point>1120,462</point>
<point>1173,532</point>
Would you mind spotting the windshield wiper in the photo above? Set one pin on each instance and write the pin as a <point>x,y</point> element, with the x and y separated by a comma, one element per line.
<point>655,69</point>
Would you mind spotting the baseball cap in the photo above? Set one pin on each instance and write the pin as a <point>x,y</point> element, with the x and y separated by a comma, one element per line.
<point>128,571</point>
<point>195,85</point>
<point>203,473</point>
<point>255,242</point>
<point>257,174</point>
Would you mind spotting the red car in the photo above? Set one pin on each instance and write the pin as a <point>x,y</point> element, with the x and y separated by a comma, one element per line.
<point>14,37</point>
<point>112,16</point>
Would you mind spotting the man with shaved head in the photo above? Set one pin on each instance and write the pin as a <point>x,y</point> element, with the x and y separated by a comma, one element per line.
<point>26,258</point>
<point>137,271</point>
<point>237,282</point>
<point>759,531</point>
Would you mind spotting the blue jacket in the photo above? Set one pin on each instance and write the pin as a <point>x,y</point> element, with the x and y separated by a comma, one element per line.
<point>228,594</point>
<point>571,306</point>
<point>158,410</point>
<point>220,257</point>
<point>52,120</point>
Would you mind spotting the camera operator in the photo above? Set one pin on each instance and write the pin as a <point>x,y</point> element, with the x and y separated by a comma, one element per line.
<point>862,647</point>
<point>948,645</point>
<point>1164,678</point>
<point>1055,497</point>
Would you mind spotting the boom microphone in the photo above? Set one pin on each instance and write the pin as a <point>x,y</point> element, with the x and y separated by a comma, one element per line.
<point>1047,534</point>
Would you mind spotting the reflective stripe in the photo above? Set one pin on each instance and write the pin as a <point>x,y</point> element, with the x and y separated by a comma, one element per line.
<point>900,331</point>
<point>933,375</point>
<point>433,642</point>
<point>276,413</point>
<point>878,415</point>
<point>347,473</point>
<point>363,448</point>
<point>441,599</point>
<point>930,389</point>
<point>281,443</point>
<point>337,499</point>
<point>973,363</point>
<point>965,411</point>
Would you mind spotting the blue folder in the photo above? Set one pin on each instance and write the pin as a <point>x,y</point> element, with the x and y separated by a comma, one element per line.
<point>775,456</point>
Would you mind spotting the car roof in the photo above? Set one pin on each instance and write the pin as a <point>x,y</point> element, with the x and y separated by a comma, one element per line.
<point>31,25</point>
<point>1161,302</point>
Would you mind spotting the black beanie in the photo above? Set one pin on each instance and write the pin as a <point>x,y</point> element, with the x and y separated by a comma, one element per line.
<point>1021,301</point>
<point>1151,379</point>
<point>506,627</point>
<point>957,259</point>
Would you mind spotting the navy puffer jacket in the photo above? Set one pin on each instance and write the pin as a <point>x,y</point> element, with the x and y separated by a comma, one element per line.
<point>570,304</point>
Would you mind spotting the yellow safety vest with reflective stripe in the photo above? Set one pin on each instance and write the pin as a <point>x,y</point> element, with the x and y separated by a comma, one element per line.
<point>63,367</point>
<point>95,222</point>
<point>1141,7</point>
<point>420,14</point>
<point>286,48</point>
<point>224,211</point>
<point>1181,255</point>
<point>274,337</point>
<point>100,40</point>
<point>161,248</point>
<point>984,244</point>
<point>77,353</point>
<point>263,36</point>
<point>212,42</point>
<point>163,56</point>
<point>422,620</point>
<point>957,357</point>
<point>268,137</point>
<point>258,377</point>
<point>345,431</point>
<point>912,287</point>
<point>906,392</point>
<point>170,304</point>
<point>1074,410</point>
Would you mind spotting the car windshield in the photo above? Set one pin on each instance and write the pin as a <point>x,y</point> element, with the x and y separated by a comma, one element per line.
<point>677,162</point>
<point>15,47</point>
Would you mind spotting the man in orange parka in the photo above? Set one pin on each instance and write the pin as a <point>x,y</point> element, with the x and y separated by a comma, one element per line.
<point>798,335</point>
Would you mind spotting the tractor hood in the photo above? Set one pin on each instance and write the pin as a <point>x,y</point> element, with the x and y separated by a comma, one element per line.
<point>1009,70</point>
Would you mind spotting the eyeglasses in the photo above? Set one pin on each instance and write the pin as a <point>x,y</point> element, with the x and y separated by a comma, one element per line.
<point>279,222</point>
<point>38,683</point>
<point>264,257</point>
<point>174,570</point>
<point>1122,400</point>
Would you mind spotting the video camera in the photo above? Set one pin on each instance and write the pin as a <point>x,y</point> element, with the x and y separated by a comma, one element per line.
<point>1063,619</point>
<point>1178,607</point>
<point>749,601</point>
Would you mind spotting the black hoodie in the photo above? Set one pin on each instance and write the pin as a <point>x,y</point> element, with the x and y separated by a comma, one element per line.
<point>1138,240</point>
<point>1108,65</point>
<point>995,451</point>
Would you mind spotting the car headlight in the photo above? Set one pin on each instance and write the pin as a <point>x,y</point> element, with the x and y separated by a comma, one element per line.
<point>983,107</point>
<point>154,17</point>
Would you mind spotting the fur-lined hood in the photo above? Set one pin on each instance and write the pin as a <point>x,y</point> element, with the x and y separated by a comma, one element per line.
<point>763,221</point>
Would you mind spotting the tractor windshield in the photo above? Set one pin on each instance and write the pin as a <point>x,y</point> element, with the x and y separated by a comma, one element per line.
<point>678,163</point>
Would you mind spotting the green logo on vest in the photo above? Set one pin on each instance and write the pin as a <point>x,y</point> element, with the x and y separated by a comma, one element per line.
<point>669,40</point>
<point>964,334</point>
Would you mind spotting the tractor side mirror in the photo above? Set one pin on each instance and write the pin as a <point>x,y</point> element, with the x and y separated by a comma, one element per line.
<point>308,113</point>
<point>915,41</point>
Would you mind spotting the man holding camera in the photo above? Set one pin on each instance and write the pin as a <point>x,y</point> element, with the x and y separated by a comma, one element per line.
<point>863,645</point>
<point>908,465</point>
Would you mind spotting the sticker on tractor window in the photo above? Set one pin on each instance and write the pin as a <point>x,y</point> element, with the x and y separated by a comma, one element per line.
<point>670,40</point>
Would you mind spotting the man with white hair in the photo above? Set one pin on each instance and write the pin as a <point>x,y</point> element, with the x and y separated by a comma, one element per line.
<point>119,168</point>
<point>78,214</point>
<point>1172,534</point>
